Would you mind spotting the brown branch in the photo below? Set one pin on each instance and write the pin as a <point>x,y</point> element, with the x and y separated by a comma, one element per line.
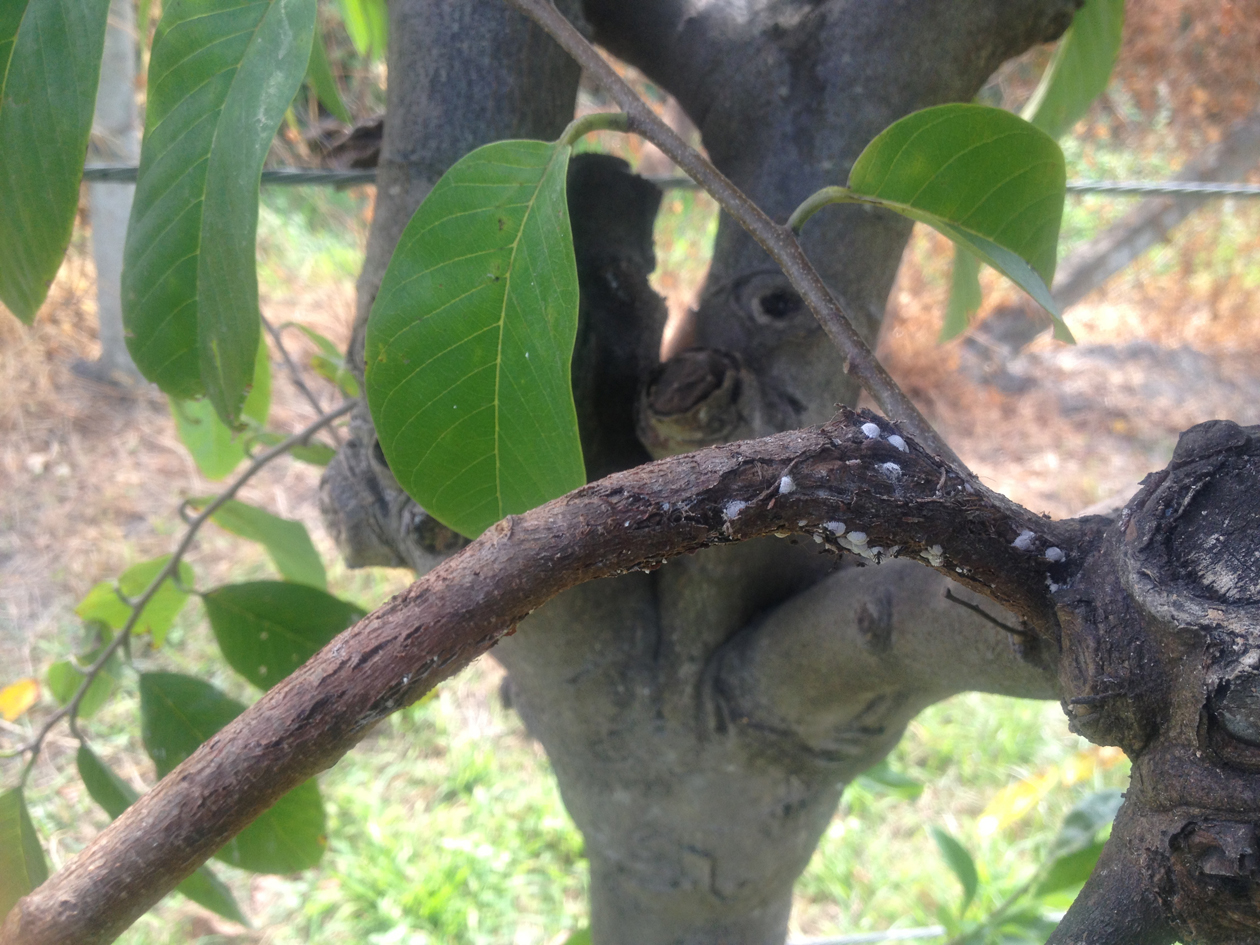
<point>891,503</point>
<point>778,241</point>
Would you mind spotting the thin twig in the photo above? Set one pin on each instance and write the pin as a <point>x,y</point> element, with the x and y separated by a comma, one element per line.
<point>975,608</point>
<point>295,373</point>
<point>169,570</point>
<point>778,241</point>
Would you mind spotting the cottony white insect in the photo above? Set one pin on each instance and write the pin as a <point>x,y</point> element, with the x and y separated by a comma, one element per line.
<point>836,528</point>
<point>871,430</point>
<point>898,442</point>
<point>1025,540</point>
<point>1054,554</point>
<point>935,555</point>
<point>733,508</point>
<point>786,485</point>
<point>858,538</point>
<point>890,470</point>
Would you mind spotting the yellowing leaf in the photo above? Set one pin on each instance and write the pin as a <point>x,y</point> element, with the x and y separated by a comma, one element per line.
<point>1014,801</point>
<point>17,698</point>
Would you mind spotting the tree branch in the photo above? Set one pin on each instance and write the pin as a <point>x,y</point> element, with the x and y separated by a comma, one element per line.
<point>847,487</point>
<point>778,241</point>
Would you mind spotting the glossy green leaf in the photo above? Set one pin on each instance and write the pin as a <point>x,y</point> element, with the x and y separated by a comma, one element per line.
<point>470,339</point>
<point>103,603</point>
<point>287,542</point>
<point>367,23</point>
<point>115,795</point>
<point>221,75</point>
<point>580,937</point>
<point>22,864</point>
<point>216,449</point>
<point>1080,68</point>
<point>177,714</point>
<point>330,363</point>
<point>985,178</point>
<point>960,863</point>
<point>964,294</point>
<point>319,77</point>
<point>267,629</point>
<point>50,63</point>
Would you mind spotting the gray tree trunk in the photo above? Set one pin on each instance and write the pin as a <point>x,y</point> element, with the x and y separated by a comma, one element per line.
<point>115,140</point>
<point>703,719</point>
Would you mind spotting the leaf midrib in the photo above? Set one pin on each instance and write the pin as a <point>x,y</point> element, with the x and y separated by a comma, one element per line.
<point>507,291</point>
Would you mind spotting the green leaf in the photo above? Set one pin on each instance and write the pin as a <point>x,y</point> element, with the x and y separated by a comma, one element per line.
<point>330,363</point>
<point>985,178</point>
<point>103,603</point>
<point>221,75</point>
<point>960,863</point>
<point>1080,69</point>
<point>64,681</point>
<point>215,448</point>
<point>115,795</point>
<point>1083,822</point>
<point>106,788</point>
<point>50,64</point>
<point>470,339</point>
<point>177,714</point>
<point>267,629</point>
<point>964,294</point>
<point>287,542</point>
<point>320,78</point>
<point>884,779</point>
<point>1069,870</point>
<point>22,864</point>
<point>315,453</point>
<point>367,23</point>
<point>580,937</point>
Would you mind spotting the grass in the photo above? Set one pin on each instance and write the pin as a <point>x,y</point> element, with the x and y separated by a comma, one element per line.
<point>446,823</point>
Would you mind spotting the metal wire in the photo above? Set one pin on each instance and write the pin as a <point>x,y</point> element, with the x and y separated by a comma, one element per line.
<point>1189,188</point>
<point>293,176</point>
<point>868,938</point>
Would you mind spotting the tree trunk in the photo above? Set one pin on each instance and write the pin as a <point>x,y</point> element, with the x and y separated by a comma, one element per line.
<point>115,140</point>
<point>701,760</point>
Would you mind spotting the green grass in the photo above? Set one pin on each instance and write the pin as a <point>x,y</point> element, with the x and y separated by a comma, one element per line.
<point>311,235</point>
<point>877,867</point>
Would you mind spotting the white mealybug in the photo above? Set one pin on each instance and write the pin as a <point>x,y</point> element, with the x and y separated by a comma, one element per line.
<point>890,470</point>
<point>733,508</point>
<point>836,528</point>
<point>1054,554</point>
<point>1025,540</point>
<point>786,485</point>
<point>871,430</point>
<point>935,555</point>
<point>898,442</point>
<point>858,538</point>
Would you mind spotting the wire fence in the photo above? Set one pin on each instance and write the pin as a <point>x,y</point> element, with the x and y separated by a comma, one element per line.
<point>870,938</point>
<point>295,176</point>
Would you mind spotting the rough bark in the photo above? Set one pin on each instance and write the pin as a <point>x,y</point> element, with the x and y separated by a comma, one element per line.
<point>1160,657</point>
<point>631,521</point>
<point>786,96</point>
<point>702,716</point>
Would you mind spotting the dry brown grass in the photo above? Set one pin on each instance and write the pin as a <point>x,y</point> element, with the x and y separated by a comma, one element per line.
<point>1094,425</point>
<point>91,476</point>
